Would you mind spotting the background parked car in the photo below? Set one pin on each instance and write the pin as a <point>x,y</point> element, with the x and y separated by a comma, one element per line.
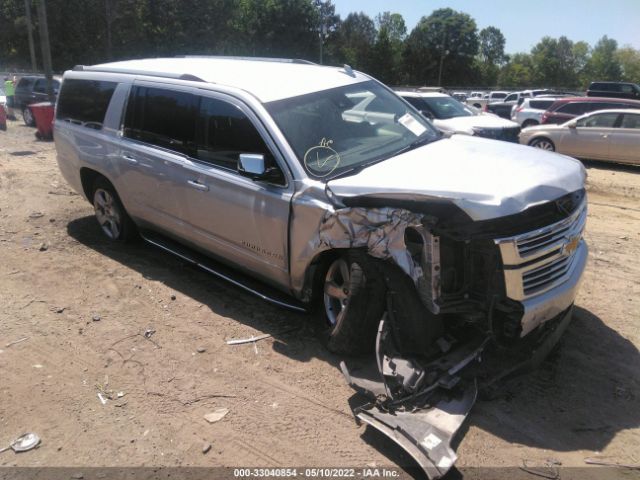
<point>449,115</point>
<point>530,112</point>
<point>32,89</point>
<point>487,98</point>
<point>571,107</point>
<point>602,135</point>
<point>614,89</point>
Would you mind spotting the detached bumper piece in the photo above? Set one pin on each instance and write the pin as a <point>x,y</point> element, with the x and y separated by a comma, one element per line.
<point>425,434</point>
<point>418,406</point>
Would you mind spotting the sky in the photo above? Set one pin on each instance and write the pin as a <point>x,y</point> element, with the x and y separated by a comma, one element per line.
<point>523,22</point>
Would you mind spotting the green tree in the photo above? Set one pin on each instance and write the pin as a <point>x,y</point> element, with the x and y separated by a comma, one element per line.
<point>517,72</point>
<point>604,63</point>
<point>354,40</point>
<point>386,55</point>
<point>629,60</point>
<point>447,39</point>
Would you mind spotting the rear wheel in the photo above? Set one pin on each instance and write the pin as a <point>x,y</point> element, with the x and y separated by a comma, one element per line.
<point>27,116</point>
<point>543,144</point>
<point>113,219</point>
<point>351,302</point>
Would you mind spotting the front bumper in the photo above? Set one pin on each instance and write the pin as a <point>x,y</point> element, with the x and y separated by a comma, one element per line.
<point>551,303</point>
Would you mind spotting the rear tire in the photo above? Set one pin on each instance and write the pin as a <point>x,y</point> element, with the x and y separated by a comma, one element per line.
<point>27,116</point>
<point>350,302</point>
<point>543,144</point>
<point>111,215</point>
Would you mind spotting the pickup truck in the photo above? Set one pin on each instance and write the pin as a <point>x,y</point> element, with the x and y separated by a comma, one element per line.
<point>487,98</point>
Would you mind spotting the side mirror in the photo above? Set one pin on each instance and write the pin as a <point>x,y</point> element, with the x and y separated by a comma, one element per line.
<point>252,165</point>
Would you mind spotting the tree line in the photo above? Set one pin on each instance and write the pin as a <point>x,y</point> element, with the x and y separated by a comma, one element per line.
<point>444,48</point>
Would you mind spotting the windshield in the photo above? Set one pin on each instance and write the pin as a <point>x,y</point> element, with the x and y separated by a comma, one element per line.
<point>348,127</point>
<point>446,107</point>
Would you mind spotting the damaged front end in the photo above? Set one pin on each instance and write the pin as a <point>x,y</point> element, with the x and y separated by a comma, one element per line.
<point>458,291</point>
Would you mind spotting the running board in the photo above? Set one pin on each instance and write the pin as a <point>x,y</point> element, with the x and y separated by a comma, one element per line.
<point>266,293</point>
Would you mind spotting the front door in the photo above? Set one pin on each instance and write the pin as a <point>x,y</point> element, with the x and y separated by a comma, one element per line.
<point>241,221</point>
<point>591,136</point>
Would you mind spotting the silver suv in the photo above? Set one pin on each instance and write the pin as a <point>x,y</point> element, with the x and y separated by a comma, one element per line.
<point>529,113</point>
<point>266,170</point>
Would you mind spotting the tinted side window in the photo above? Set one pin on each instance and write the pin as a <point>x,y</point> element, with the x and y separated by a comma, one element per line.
<point>575,108</point>
<point>25,84</point>
<point>541,104</point>
<point>224,132</point>
<point>165,118</point>
<point>511,98</point>
<point>630,120</point>
<point>85,101</point>
<point>40,86</point>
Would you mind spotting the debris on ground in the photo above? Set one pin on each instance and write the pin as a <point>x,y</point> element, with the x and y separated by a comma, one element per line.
<point>149,332</point>
<point>605,463</point>
<point>217,415</point>
<point>35,215</point>
<point>23,443</point>
<point>549,471</point>
<point>206,447</point>
<point>43,247</point>
<point>96,318</point>
<point>15,342</point>
<point>201,349</point>
<point>248,340</point>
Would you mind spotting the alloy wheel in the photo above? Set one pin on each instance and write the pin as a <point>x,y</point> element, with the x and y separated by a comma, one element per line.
<point>336,291</point>
<point>107,213</point>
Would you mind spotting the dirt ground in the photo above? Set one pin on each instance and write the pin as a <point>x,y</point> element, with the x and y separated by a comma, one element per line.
<point>83,306</point>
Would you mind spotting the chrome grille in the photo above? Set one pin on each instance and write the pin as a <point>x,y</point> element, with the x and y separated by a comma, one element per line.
<point>537,261</point>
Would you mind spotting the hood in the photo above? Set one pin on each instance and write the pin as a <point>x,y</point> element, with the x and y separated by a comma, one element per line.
<point>466,124</point>
<point>485,178</point>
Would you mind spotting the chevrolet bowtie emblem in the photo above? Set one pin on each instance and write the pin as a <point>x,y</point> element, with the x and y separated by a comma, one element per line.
<point>571,246</point>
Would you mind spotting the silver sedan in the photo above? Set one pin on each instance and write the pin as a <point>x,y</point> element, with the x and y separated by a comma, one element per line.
<point>601,135</point>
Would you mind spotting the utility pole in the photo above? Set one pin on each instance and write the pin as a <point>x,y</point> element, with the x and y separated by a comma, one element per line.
<point>32,48</point>
<point>443,53</point>
<point>44,43</point>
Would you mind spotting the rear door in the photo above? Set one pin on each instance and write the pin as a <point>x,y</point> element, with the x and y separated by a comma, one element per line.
<point>592,136</point>
<point>241,221</point>
<point>625,140</point>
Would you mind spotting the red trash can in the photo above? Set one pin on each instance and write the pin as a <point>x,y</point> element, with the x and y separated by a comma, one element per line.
<point>43,115</point>
<point>3,118</point>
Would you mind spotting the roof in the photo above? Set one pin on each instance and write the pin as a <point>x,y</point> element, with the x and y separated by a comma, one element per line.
<point>615,110</point>
<point>266,79</point>
<point>597,99</point>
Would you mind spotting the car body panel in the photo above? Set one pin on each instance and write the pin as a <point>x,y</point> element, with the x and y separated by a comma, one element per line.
<point>479,176</point>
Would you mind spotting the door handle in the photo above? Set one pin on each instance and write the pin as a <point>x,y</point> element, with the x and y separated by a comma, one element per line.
<point>130,159</point>
<point>198,185</point>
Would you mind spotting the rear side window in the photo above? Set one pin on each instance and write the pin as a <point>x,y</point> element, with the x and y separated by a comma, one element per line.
<point>576,108</point>
<point>25,83</point>
<point>224,132</point>
<point>541,104</point>
<point>630,120</point>
<point>165,118</point>
<point>84,102</point>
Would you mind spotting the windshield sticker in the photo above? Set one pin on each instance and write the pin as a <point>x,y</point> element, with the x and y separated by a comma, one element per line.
<point>321,160</point>
<point>409,122</point>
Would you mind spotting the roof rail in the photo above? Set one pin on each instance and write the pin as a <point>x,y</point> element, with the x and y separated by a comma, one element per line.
<point>177,76</point>
<point>257,59</point>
